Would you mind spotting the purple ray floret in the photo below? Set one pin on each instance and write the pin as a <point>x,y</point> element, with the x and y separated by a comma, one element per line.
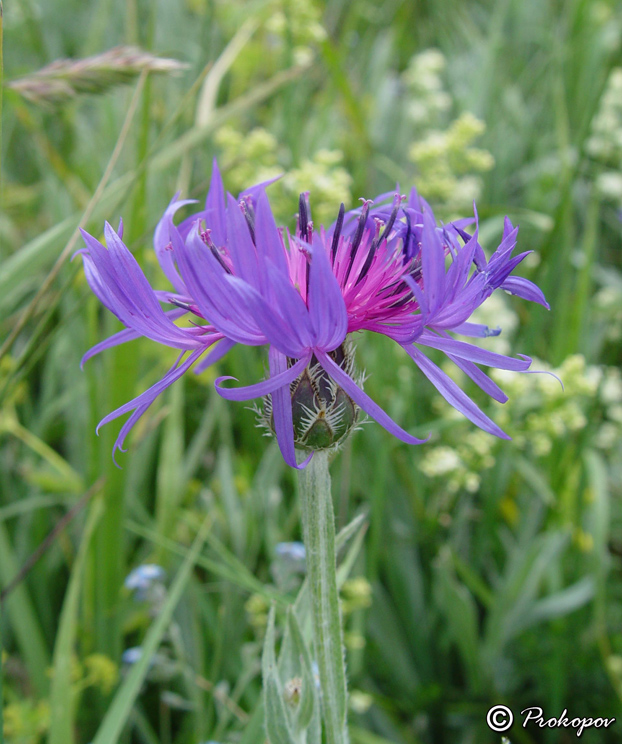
<point>387,267</point>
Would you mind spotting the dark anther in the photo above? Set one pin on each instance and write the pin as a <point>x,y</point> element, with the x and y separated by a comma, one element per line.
<point>409,231</point>
<point>179,303</point>
<point>249,214</point>
<point>219,258</point>
<point>416,270</point>
<point>394,288</point>
<point>389,226</point>
<point>358,236</point>
<point>370,253</point>
<point>337,232</point>
<point>303,216</point>
<point>376,242</point>
<point>401,302</point>
<point>368,261</point>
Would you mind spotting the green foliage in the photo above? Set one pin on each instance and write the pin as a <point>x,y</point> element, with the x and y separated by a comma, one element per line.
<point>490,571</point>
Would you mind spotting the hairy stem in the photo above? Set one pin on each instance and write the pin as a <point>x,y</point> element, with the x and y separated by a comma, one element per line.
<point>318,525</point>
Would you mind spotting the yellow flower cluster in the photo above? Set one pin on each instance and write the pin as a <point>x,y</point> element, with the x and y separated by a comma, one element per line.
<point>356,594</point>
<point>246,158</point>
<point>540,411</point>
<point>447,162</point>
<point>26,721</point>
<point>428,99</point>
<point>605,142</point>
<point>254,157</point>
<point>297,22</point>
<point>546,412</point>
<point>326,179</point>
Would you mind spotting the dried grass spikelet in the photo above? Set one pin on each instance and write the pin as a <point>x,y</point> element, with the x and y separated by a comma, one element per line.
<point>65,79</point>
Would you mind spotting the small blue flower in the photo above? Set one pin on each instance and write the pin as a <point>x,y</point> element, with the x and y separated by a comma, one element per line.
<point>291,551</point>
<point>316,673</point>
<point>132,655</point>
<point>142,579</point>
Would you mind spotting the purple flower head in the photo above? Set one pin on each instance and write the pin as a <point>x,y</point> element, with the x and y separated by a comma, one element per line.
<point>387,268</point>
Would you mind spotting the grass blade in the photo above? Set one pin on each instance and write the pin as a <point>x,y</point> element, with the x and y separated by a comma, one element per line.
<point>121,707</point>
<point>61,703</point>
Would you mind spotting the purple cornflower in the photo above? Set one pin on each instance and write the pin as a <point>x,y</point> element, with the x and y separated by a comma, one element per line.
<point>383,268</point>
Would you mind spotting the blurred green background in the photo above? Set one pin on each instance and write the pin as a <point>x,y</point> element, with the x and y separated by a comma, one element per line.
<point>490,570</point>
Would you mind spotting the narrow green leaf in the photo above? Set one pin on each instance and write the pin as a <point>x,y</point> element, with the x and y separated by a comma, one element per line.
<point>344,535</point>
<point>254,730</point>
<point>121,707</point>
<point>277,720</point>
<point>230,500</point>
<point>302,604</point>
<point>1,674</point>
<point>308,698</point>
<point>236,573</point>
<point>277,727</point>
<point>515,597</point>
<point>170,482</point>
<point>61,703</point>
<point>268,656</point>
<point>23,618</point>
<point>70,478</point>
<point>460,613</point>
<point>349,560</point>
<point>561,603</point>
<point>206,104</point>
<point>29,504</point>
<point>360,736</point>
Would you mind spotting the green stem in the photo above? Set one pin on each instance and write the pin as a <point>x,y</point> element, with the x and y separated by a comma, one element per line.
<point>318,526</point>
